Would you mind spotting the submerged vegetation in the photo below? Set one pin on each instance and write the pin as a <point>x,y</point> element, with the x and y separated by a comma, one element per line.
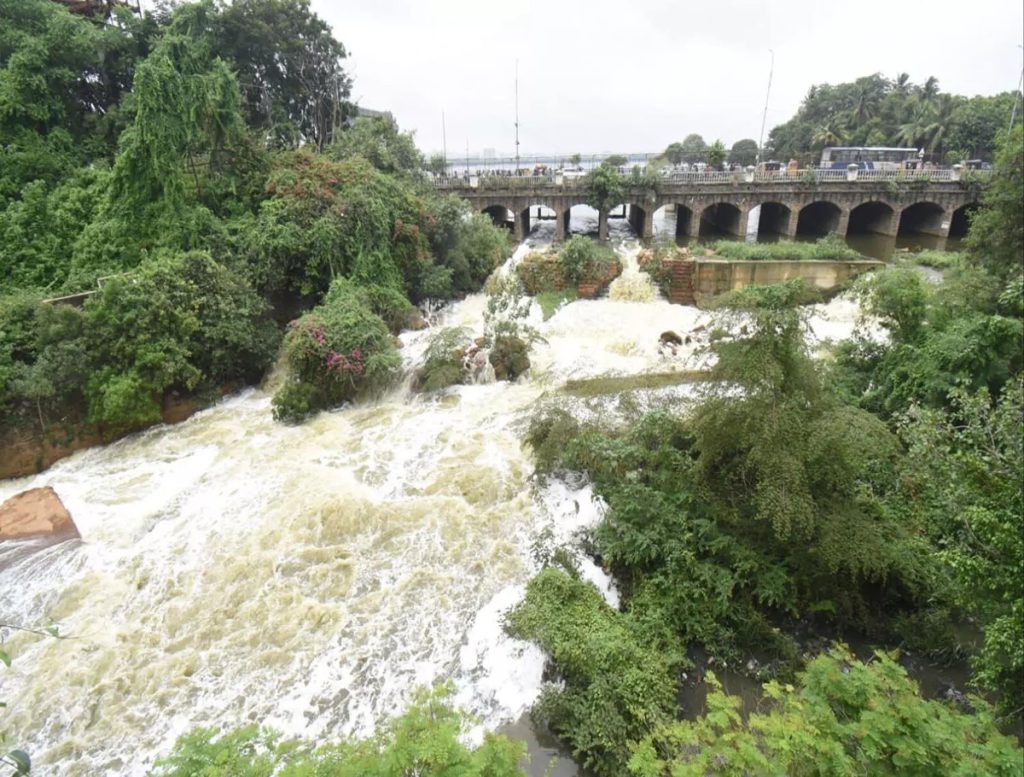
<point>829,248</point>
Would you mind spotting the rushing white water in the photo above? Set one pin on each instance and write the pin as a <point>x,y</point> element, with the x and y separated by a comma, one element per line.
<point>235,570</point>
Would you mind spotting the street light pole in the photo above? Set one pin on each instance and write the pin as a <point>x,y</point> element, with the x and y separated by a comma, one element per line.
<point>764,116</point>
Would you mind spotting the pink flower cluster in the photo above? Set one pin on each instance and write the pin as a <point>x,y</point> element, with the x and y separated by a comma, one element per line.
<point>339,362</point>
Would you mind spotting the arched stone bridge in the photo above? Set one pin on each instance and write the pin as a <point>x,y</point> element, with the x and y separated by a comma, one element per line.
<point>788,207</point>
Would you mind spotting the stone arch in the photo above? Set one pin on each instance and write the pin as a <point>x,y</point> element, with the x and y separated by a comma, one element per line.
<point>500,215</point>
<point>874,217</point>
<point>723,218</point>
<point>960,221</point>
<point>775,220</point>
<point>923,218</point>
<point>673,219</point>
<point>819,218</point>
<point>525,220</point>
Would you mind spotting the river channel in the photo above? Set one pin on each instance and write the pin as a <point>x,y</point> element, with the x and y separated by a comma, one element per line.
<point>234,570</point>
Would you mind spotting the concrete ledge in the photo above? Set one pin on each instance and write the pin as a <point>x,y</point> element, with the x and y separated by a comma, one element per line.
<point>713,276</point>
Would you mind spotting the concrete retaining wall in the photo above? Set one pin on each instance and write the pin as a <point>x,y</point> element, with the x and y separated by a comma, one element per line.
<point>713,276</point>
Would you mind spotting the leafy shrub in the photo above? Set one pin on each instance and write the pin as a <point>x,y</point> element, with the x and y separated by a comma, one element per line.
<point>845,718</point>
<point>443,362</point>
<point>341,350</point>
<point>178,322</point>
<point>425,740</point>
<point>324,220</point>
<point>294,402</point>
<point>509,356</point>
<point>617,687</point>
<point>581,256</point>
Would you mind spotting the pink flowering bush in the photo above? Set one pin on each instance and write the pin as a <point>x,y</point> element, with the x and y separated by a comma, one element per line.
<point>338,352</point>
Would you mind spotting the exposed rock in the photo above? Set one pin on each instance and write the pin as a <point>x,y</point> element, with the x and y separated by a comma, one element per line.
<point>670,338</point>
<point>37,512</point>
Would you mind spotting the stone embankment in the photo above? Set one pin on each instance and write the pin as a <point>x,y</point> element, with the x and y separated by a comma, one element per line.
<point>27,450</point>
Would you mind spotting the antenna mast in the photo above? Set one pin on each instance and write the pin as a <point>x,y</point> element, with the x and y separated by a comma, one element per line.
<point>517,114</point>
<point>444,143</point>
<point>764,116</point>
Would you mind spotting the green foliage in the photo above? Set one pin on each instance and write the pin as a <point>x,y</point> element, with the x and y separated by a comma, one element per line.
<point>341,350</point>
<point>876,111</point>
<point>844,718</point>
<point>477,250</point>
<point>181,321</point>
<point>289,68</point>
<point>38,232</point>
<point>379,141</point>
<point>604,187</point>
<point>177,322</point>
<point>325,220</point>
<point>996,238</point>
<point>716,154</point>
<point>422,741</point>
<point>616,160</point>
<point>581,258</point>
<point>693,149</point>
<point>957,334</point>
<point>940,260</point>
<point>962,482</point>
<point>743,152</point>
<point>828,248</point>
<point>443,361</point>
<point>617,686</point>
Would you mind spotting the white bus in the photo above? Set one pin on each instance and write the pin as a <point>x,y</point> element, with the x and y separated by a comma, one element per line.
<point>868,157</point>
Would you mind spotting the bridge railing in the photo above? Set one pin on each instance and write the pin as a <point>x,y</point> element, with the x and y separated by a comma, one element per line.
<point>712,177</point>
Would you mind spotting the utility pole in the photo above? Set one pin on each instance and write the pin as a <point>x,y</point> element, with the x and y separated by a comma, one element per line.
<point>517,114</point>
<point>444,143</point>
<point>764,116</point>
<point>467,156</point>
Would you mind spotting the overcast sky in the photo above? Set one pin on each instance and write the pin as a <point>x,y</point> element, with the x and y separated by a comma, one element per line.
<point>632,76</point>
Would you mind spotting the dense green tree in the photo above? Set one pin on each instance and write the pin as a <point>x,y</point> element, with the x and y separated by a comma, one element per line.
<point>743,152</point>
<point>289,68</point>
<point>875,111</point>
<point>716,155</point>
<point>674,153</point>
<point>693,149</point>
<point>177,322</point>
<point>380,142</point>
<point>605,187</point>
<point>977,123</point>
<point>962,479</point>
<point>996,239</point>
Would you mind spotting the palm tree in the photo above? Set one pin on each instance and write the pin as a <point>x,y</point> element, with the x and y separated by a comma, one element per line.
<point>942,115</point>
<point>902,84</point>
<point>831,133</point>
<point>913,131</point>
<point>930,90</point>
<point>865,104</point>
